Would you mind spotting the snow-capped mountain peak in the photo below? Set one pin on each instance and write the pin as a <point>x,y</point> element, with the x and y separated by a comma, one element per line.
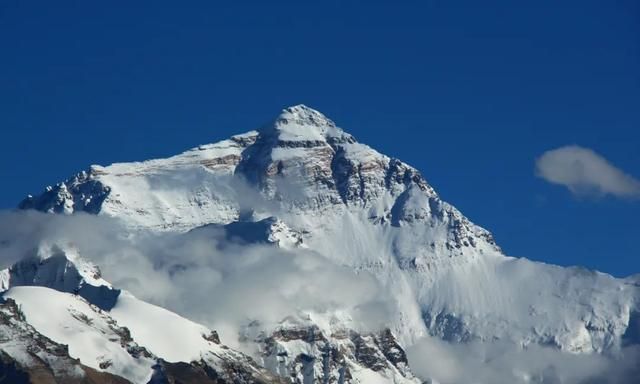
<point>303,184</point>
<point>301,123</point>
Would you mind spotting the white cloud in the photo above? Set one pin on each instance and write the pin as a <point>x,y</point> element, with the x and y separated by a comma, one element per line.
<point>226,285</point>
<point>585,172</point>
<point>204,276</point>
<point>505,363</point>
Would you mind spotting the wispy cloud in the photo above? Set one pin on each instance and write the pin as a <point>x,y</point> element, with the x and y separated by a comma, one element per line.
<point>584,172</point>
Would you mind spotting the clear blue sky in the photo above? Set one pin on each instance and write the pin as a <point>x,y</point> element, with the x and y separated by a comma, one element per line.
<point>469,92</point>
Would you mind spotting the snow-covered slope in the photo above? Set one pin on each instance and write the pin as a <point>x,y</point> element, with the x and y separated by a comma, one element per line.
<point>27,356</point>
<point>92,336</point>
<point>302,181</point>
<point>130,339</point>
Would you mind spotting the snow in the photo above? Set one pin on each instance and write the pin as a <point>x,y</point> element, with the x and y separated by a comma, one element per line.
<point>174,199</point>
<point>89,272</point>
<point>164,333</point>
<point>367,376</point>
<point>301,123</point>
<point>68,319</point>
<point>92,334</point>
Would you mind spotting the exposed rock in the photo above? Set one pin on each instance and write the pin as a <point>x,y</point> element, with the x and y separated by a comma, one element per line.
<point>57,271</point>
<point>305,354</point>
<point>81,192</point>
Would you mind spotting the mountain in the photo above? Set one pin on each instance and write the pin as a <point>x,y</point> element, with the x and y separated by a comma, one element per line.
<point>302,184</point>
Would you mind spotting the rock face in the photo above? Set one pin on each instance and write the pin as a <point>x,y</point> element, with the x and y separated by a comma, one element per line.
<point>303,352</point>
<point>58,272</point>
<point>269,230</point>
<point>301,181</point>
<point>80,192</point>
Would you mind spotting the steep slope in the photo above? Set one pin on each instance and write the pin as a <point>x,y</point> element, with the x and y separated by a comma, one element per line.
<point>109,341</point>
<point>62,270</point>
<point>362,209</point>
<point>92,336</point>
<point>27,356</point>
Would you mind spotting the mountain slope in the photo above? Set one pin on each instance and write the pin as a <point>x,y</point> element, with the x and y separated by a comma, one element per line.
<point>108,341</point>
<point>27,356</point>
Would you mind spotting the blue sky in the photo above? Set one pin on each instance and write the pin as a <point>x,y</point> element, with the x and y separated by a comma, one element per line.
<point>471,93</point>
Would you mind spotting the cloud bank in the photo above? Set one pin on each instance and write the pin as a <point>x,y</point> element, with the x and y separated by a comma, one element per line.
<point>204,276</point>
<point>504,363</point>
<point>226,285</point>
<point>584,173</point>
